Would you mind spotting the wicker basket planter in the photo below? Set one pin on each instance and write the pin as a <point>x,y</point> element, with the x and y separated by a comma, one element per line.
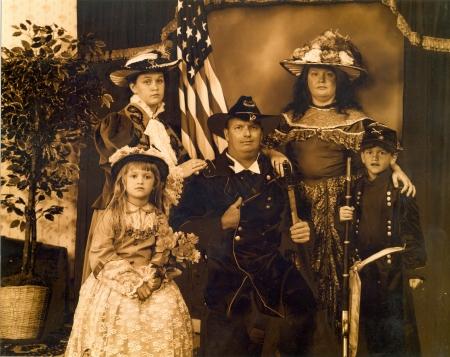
<point>23,310</point>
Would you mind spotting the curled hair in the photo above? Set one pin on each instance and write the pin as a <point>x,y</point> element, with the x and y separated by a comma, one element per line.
<point>344,99</point>
<point>118,202</point>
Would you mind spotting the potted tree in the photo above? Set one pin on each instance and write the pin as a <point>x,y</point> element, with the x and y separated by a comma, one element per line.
<point>48,88</point>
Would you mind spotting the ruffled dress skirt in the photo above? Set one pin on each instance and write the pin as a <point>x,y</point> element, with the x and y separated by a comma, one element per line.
<point>108,323</point>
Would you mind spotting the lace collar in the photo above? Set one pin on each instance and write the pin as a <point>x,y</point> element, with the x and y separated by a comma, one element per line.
<point>137,100</point>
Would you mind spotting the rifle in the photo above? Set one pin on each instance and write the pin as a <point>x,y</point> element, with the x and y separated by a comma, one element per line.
<point>345,282</point>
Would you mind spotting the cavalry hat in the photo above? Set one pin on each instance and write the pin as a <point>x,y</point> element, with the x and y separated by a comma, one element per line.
<point>153,61</point>
<point>328,49</point>
<point>377,134</point>
<point>133,154</point>
<point>244,109</point>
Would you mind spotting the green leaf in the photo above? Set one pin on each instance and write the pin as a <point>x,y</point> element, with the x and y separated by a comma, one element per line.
<point>100,44</point>
<point>28,22</point>
<point>17,33</point>
<point>48,38</point>
<point>49,217</point>
<point>23,27</point>
<point>14,168</point>
<point>22,184</point>
<point>18,211</point>
<point>26,45</point>
<point>14,223</point>
<point>13,181</point>
<point>36,45</point>
<point>22,226</point>
<point>66,54</point>
<point>15,27</point>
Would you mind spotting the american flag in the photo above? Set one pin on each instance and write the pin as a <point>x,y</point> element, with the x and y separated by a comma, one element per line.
<point>200,90</point>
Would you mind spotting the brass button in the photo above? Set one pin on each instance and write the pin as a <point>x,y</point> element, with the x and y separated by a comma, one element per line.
<point>268,177</point>
<point>389,193</point>
<point>269,198</point>
<point>389,261</point>
<point>388,203</point>
<point>388,256</point>
<point>389,233</point>
<point>239,229</point>
<point>237,238</point>
<point>389,222</point>
<point>356,232</point>
<point>268,206</point>
<point>389,227</point>
<point>388,198</point>
<point>357,221</point>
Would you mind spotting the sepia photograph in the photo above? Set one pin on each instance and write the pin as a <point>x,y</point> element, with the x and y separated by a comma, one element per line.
<point>225,178</point>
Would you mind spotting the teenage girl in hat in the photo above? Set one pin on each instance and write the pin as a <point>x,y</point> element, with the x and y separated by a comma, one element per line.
<point>124,308</point>
<point>139,125</point>
<point>320,128</point>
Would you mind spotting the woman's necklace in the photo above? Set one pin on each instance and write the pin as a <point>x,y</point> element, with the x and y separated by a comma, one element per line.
<point>325,108</point>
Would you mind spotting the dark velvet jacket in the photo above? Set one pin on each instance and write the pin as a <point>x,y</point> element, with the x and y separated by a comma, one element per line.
<point>247,253</point>
<point>384,218</point>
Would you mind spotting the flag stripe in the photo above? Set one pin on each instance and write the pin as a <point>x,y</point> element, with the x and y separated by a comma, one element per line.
<point>200,91</point>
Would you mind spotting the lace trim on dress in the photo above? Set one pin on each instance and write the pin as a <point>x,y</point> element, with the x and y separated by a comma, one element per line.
<point>327,124</point>
<point>351,141</point>
<point>143,223</point>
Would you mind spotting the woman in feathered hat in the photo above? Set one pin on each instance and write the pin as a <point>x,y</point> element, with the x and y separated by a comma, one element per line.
<point>139,125</point>
<point>320,128</point>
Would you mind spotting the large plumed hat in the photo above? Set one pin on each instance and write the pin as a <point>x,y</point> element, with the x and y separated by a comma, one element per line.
<point>133,154</point>
<point>328,49</point>
<point>244,109</point>
<point>151,61</point>
<point>377,134</point>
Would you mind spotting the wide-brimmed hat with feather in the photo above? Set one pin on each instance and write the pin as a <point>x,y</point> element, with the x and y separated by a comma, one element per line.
<point>328,49</point>
<point>144,62</point>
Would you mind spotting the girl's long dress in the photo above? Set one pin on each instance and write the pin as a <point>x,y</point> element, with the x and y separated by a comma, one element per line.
<point>110,320</point>
<point>317,145</point>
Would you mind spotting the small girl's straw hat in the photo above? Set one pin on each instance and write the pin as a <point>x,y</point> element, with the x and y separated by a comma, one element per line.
<point>133,154</point>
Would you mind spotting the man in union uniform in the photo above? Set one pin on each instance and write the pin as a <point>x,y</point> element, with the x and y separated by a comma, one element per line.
<point>236,207</point>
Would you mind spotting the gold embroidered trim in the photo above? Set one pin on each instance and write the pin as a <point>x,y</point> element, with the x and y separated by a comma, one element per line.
<point>416,39</point>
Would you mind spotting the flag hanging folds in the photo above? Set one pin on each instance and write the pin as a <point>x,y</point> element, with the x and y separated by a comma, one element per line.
<point>200,90</point>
